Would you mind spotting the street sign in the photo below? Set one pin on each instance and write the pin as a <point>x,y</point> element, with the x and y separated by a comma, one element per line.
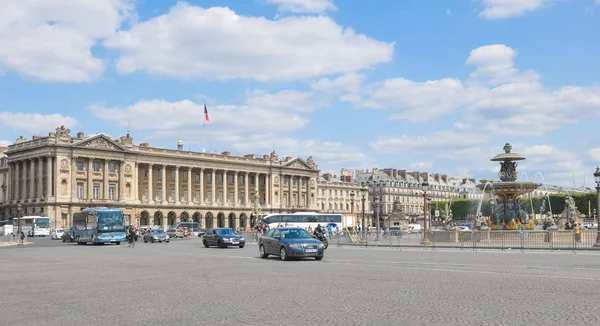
<point>437,213</point>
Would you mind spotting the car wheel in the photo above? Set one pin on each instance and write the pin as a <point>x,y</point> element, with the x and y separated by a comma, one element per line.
<point>241,246</point>
<point>152,240</point>
<point>283,254</point>
<point>318,257</point>
<point>219,244</point>
<point>205,243</point>
<point>145,241</point>
<point>167,241</point>
<point>262,252</point>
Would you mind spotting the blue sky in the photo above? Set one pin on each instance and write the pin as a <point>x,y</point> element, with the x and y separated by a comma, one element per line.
<point>435,86</point>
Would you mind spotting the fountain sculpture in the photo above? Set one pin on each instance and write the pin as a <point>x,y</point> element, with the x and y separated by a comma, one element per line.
<point>509,212</point>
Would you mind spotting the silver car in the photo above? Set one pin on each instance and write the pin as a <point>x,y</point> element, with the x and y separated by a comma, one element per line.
<point>156,236</point>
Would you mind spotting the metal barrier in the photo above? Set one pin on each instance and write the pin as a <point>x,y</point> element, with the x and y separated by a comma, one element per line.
<point>504,240</point>
<point>12,240</point>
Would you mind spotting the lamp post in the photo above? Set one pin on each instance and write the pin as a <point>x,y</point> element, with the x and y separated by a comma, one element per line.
<point>363,192</point>
<point>425,186</point>
<point>597,179</point>
<point>19,218</point>
<point>352,194</point>
<point>377,217</point>
<point>429,199</point>
<point>568,225</point>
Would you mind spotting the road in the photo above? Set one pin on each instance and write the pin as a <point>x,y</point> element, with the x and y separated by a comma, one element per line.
<point>179,283</point>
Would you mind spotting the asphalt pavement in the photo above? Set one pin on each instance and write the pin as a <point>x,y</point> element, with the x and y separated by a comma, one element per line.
<point>183,283</point>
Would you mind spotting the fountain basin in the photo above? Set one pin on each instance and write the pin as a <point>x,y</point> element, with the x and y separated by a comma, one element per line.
<point>510,189</point>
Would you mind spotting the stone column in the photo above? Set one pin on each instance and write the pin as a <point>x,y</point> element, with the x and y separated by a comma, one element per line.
<point>17,193</point>
<point>290,191</point>
<point>31,180</point>
<point>214,187</point>
<point>177,199</point>
<point>300,203</point>
<point>267,189</point>
<point>9,184</point>
<point>105,180</point>
<point>235,188</point>
<point>256,187</point>
<point>189,185</point>
<point>225,187</point>
<point>246,189</point>
<point>201,185</point>
<point>150,185</point>
<point>40,179</point>
<point>89,179</point>
<point>49,177</point>
<point>73,178</point>
<point>122,182</point>
<point>135,184</point>
<point>164,185</point>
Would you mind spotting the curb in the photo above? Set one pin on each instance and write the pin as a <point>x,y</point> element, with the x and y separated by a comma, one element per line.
<point>459,247</point>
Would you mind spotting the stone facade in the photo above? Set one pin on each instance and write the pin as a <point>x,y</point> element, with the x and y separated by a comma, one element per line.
<point>334,196</point>
<point>58,174</point>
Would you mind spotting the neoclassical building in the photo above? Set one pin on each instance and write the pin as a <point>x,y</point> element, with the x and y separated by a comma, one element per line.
<point>334,195</point>
<point>59,174</point>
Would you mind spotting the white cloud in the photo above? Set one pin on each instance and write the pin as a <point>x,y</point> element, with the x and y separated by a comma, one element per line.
<point>559,165</point>
<point>51,40</point>
<point>35,122</point>
<point>446,141</point>
<point>594,153</point>
<point>287,100</point>
<point>351,83</point>
<point>216,43</point>
<point>423,165</point>
<point>304,6</point>
<point>5,143</point>
<point>503,9</point>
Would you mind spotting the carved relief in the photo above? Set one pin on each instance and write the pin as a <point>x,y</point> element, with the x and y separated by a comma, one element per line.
<point>312,182</point>
<point>128,168</point>
<point>63,135</point>
<point>276,180</point>
<point>64,186</point>
<point>100,143</point>
<point>64,166</point>
<point>274,156</point>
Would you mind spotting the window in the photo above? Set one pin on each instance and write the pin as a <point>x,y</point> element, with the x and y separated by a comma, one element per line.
<point>220,178</point>
<point>208,196</point>
<point>185,194</point>
<point>197,177</point>
<point>146,192</point>
<point>185,176</point>
<point>112,190</point>
<point>220,198</point>
<point>160,170</point>
<point>172,194</point>
<point>230,179</point>
<point>146,173</point>
<point>242,197</point>
<point>79,190</point>
<point>230,195</point>
<point>96,192</point>
<point>112,167</point>
<point>197,195</point>
<point>173,175</point>
<point>80,165</point>
<point>159,192</point>
<point>209,177</point>
<point>97,165</point>
<point>241,180</point>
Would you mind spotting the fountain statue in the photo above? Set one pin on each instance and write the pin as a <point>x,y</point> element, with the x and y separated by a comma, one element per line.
<point>509,212</point>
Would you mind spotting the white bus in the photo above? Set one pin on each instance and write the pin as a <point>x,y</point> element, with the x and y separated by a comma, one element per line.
<point>303,220</point>
<point>6,227</point>
<point>33,225</point>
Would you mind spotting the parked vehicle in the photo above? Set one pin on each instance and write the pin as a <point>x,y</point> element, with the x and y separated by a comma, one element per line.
<point>57,234</point>
<point>201,233</point>
<point>156,236</point>
<point>290,243</point>
<point>223,238</point>
<point>175,233</point>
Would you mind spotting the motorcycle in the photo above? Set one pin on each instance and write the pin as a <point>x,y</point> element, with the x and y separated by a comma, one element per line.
<point>321,237</point>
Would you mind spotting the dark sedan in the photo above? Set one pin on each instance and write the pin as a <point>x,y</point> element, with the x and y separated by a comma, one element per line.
<point>223,238</point>
<point>156,235</point>
<point>290,243</point>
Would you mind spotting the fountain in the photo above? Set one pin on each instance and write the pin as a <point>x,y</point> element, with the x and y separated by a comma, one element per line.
<point>509,212</point>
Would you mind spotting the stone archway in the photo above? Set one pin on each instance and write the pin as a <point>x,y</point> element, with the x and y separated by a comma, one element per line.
<point>220,220</point>
<point>184,217</point>
<point>144,218</point>
<point>197,217</point>
<point>231,220</point>
<point>158,218</point>
<point>243,220</point>
<point>171,218</point>
<point>208,220</point>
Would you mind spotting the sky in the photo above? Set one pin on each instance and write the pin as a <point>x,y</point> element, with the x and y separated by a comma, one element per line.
<point>436,86</point>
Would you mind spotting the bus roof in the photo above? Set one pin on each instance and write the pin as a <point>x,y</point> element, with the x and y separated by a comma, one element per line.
<point>30,217</point>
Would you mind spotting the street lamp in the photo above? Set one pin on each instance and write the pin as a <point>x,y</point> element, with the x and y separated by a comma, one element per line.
<point>352,194</point>
<point>568,225</point>
<point>377,216</point>
<point>19,218</point>
<point>429,199</point>
<point>597,179</point>
<point>363,192</point>
<point>425,186</point>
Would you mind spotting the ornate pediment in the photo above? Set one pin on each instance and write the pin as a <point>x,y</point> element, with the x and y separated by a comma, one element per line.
<point>298,163</point>
<point>100,142</point>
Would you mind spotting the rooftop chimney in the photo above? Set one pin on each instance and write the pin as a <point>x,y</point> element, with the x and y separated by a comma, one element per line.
<point>249,156</point>
<point>226,153</point>
<point>327,176</point>
<point>80,135</point>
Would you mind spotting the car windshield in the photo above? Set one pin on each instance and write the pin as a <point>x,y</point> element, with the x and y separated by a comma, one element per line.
<point>60,230</point>
<point>225,231</point>
<point>295,234</point>
<point>158,231</point>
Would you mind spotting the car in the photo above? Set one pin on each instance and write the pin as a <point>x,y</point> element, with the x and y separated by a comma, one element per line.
<point>223,238</point>
<point>68,236</point>
<point>175,233</point>
<point>57,234</point>
<point>290,243</point>
<point>156,235</point>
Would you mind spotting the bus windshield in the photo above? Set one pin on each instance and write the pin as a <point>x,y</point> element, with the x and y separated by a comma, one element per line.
<point>110,222</point>
<point>43,223</point>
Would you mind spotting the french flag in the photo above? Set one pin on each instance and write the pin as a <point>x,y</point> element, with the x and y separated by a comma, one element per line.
<point>206,113</point>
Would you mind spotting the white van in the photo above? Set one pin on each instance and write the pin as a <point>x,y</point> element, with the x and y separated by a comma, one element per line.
<point>415,227</point>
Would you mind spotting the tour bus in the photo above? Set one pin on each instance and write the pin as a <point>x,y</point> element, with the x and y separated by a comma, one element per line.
<point>38,226</point>
<point>303,220</point>
<point>6,227</point>
<point>99,225</point>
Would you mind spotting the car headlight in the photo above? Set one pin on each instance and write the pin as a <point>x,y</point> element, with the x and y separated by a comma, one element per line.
<point>155,237</point>
<point>167,236</point>
<point>321,245</point>
<point>296,246</point>
<point>242,239</point>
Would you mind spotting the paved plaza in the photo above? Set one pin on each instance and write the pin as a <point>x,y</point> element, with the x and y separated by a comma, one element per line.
<point>183,283</point>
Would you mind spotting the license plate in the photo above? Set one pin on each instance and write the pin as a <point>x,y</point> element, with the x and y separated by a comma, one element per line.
<point>235,243</point>
<point>310,250</point>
